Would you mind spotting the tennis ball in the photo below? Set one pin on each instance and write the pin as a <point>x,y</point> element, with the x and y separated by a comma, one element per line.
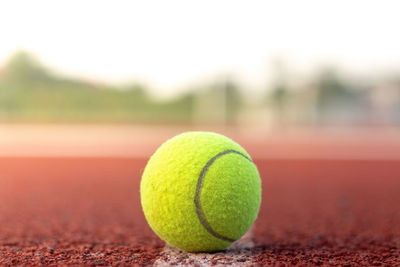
<point>200,191</point>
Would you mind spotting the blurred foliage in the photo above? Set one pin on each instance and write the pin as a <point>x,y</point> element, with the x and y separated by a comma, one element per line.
<point>224,100</point>
<point>330,99</point>
<point>278,102</point>
<point>29,92</point>
<point>24,68</point>
<point>234,101</point>
<point>338,101</point>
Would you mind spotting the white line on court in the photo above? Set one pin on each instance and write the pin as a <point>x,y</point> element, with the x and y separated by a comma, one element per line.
<point>238,254</point>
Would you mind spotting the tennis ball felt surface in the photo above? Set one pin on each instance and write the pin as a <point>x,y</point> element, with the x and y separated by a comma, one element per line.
<point>200,191</point>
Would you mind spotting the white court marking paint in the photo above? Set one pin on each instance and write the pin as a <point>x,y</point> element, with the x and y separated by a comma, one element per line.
<point>238,254</point>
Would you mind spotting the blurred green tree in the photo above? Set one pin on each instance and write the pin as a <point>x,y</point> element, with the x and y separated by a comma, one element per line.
<point>336,100</point>
<point>233,102</point>
<point>24,67</point>
<point>278,96</point>
<point>278,100</point>
<point>29,92</point>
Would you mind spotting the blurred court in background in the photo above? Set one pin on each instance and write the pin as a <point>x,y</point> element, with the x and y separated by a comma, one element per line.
<point>42,113</point>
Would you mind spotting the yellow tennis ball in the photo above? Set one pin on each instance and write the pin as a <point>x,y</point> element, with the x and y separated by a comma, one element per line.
<point>200,191</point>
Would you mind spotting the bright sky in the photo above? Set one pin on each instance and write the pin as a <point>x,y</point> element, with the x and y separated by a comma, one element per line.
<point>171,44</point>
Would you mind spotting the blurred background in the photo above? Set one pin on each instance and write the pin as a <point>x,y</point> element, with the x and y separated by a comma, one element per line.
<point>258,67</point>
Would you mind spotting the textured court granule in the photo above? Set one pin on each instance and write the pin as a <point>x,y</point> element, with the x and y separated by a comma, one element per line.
<point>87,212</point>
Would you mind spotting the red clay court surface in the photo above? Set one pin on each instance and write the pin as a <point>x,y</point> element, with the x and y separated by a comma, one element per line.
<point>86,211</point>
